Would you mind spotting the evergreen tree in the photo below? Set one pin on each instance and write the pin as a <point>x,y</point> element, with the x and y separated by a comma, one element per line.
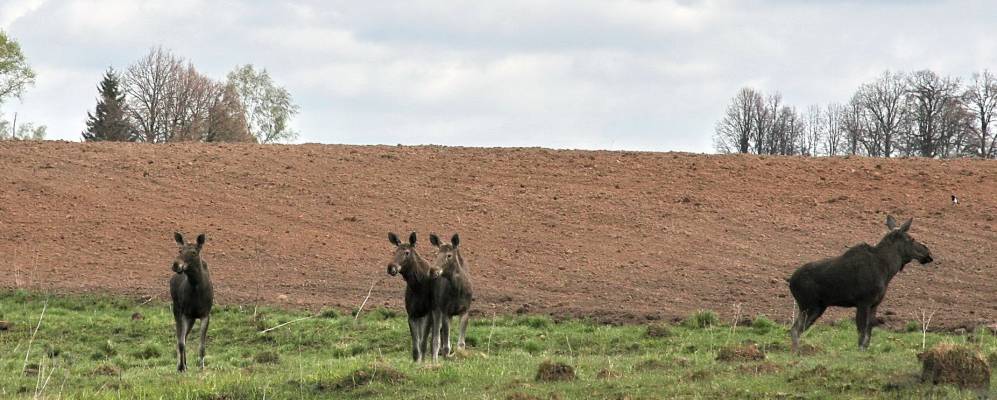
<point>109,121</point>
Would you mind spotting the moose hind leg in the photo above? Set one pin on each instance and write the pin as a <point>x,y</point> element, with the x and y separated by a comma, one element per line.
<point>204,338</point>
<point>806,319</point>
<point>797,329</point>
<point>445,336</point>
<point>463,329</point>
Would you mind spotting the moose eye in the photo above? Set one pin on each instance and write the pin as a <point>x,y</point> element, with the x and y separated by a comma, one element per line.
<point>449,255</point>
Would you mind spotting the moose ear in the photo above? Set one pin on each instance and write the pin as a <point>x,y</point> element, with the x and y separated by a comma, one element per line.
<point>890,222</point>
<point>200,241</point>
<point>906,226</point>
<point>455,240</point>
<point>434,240</point>
<point>393,238</point>
<point>411,239</point>
<point>178,237</point>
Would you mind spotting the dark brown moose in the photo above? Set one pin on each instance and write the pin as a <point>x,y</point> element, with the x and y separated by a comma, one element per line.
<point>857,278</point>
<point>192,296</point>
<point>451,293</point>
<point>418,277</point>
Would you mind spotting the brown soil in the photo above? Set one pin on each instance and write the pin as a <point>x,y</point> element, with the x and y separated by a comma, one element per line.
<point>617,236</point>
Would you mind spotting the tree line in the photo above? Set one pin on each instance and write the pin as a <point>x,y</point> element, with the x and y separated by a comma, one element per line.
<point>15,76</point>
<point>919,114</point>
<point>164,98</point>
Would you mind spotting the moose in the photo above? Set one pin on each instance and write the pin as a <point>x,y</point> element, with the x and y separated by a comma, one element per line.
<point>452,293</point>
<point>857,278</point>
<point>190,289</point>
<point>418,276</point>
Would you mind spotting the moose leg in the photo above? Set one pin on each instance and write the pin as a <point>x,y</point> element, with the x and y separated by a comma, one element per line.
<point>204,338</point>
<point>861,322</point>
<point>463,329</point>
<point>436,326</point>
<point>869,324</point>
<point>803,322</point>
<point>797,329</point>
<point>415,327</point>
<point>445,336</point>
<point>183,325</point>
<point>427,323</point>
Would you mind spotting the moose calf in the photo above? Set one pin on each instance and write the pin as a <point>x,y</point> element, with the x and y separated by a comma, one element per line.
<point>192,296</point>
<point>857,278</point>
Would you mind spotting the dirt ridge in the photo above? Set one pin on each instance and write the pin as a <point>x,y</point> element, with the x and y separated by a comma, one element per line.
<point>615,236</point>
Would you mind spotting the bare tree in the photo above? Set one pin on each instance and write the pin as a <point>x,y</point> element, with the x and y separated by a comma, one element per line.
<point>856,124</point>
<point>834,129</point>
<point>170,101</point>
<point>929,97</point>
<point>981,99</point>
<point>885,102</point>
<point>148,85</point>
<point>815,130</point>
<point>767,123</point>
<point>734,131</point>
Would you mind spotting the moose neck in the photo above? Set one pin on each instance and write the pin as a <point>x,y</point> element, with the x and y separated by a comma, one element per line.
<point>197,275</point>
<point>889,251</point>
<point>416,270</point>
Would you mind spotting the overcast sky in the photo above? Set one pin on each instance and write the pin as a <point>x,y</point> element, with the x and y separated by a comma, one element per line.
<point>642,75</point>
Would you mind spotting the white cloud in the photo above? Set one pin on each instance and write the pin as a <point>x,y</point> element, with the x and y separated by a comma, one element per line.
<point>12,10</point>
<point>572,73</point>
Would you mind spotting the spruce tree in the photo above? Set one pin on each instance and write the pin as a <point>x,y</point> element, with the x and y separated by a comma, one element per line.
<point>109,121</point>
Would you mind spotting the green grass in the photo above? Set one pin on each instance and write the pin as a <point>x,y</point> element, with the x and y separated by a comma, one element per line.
<point>90,347</point>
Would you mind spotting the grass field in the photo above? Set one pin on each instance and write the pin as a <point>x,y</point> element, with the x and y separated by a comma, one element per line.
<point>91,347</point>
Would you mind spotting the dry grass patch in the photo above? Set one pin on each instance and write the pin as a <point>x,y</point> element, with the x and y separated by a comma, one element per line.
<point>550,371</point>
<point>962,366</point>
<point>748,352</point>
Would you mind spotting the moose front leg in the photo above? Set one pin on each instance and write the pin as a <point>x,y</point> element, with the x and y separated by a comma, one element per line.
<point>415,326</point>
<point>434,330</point>
<point>183,326</point>
<point>869,324</point>
<point>861,324</point>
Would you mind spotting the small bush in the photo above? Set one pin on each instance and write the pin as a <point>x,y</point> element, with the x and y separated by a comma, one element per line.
<point>329,313</point>
<point>552,371</point>
<point>912,326</point>
<point>702,319</point>
<point>762,324</point>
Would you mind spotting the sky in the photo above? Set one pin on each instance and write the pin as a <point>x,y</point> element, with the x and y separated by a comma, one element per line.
<point>617,75</point>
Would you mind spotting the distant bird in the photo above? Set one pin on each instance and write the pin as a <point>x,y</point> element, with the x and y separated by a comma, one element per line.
<point>955,200</point>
